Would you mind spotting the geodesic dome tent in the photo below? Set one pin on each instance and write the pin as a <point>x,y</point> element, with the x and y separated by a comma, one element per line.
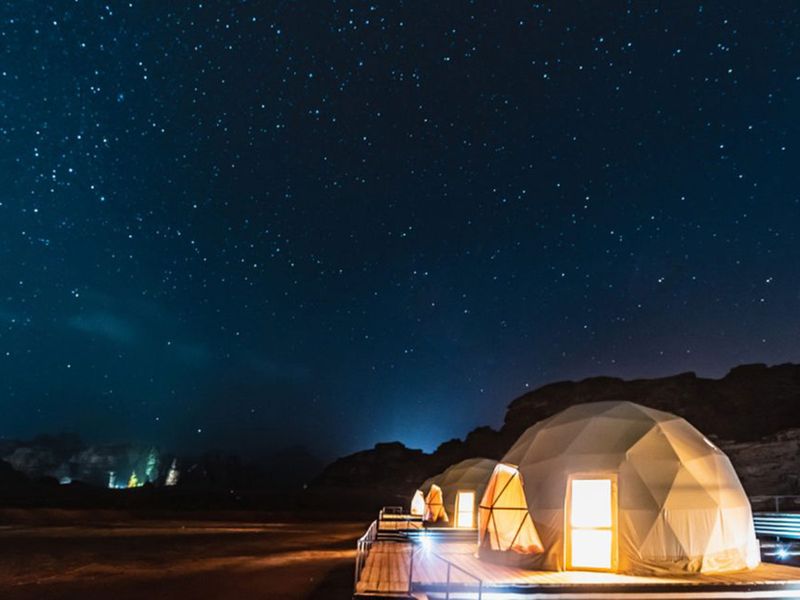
<point>621,487</point>
<point>453,495</point>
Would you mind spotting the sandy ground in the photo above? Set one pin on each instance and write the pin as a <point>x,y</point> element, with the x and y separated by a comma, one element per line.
<point>177,559</point>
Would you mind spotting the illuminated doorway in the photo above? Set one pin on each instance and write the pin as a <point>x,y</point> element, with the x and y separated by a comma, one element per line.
<point>591,539</point>
<point>465,509</point>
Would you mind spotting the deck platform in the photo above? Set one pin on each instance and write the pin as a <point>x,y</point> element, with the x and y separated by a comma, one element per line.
<point>386,573</point>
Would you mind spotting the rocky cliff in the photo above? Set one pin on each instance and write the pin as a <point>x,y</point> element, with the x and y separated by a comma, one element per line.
<point>769,466</point>
<point>752,412</point>
<point>751,401</point>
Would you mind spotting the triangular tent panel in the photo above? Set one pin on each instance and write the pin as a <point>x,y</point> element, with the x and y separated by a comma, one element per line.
<point>677,505</point>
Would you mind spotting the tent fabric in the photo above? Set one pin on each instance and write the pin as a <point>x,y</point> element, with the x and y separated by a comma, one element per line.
<point>680,505</point>
<point>434,506</point>
<point>418,504</point>
<point>504,520</point>
<point>468,475</point>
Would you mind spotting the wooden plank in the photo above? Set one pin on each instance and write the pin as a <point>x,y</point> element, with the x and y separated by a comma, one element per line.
<point>386,575</point>
<point>394,570</point>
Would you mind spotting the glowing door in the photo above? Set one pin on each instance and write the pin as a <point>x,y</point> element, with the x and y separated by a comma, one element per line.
<point>591,521</point>
<point>465,509</point>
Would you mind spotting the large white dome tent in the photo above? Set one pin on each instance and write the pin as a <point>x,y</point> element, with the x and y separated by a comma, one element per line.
<point>620,487</point>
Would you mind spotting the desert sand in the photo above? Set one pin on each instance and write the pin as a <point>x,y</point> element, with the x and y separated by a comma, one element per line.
<point>86,558</point>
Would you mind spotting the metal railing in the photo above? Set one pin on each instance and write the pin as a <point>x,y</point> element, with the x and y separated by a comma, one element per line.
<point>779,525</point>
<point>363,546</point>
<point>418,550</point>
<point>776,504</point>
<point>391,510</point>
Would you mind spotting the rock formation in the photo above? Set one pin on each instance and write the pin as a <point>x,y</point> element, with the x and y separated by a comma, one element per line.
<point>753,413</point>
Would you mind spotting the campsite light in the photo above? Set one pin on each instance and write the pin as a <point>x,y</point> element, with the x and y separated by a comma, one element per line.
<point>782,552</point>
<point>427,543</point>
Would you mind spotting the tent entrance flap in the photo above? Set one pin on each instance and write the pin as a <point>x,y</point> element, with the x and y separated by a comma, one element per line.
<point>465,509</point>
<point>418,504</point>
<point>434,506</point>
<point>505,524</point>
<point>591,519</point>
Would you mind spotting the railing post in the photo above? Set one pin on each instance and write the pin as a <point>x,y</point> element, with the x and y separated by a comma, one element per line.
<point>358,567</point>
<point>447,589</point>
<point>480,589</point>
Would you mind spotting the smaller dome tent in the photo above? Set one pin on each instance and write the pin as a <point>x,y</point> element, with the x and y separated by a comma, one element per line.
<point>452,497</point>
<point>616,486</point>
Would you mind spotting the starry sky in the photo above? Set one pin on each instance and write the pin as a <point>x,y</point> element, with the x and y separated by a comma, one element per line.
<point>246,225</point>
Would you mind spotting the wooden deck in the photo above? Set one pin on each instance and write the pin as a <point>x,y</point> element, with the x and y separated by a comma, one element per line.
<point>387,572</point>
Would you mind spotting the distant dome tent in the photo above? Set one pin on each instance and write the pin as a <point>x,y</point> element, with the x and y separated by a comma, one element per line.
<point>615,486</point>
<point>452,496</point>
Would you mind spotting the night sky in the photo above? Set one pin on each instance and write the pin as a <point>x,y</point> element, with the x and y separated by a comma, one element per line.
<point>246,225</point>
